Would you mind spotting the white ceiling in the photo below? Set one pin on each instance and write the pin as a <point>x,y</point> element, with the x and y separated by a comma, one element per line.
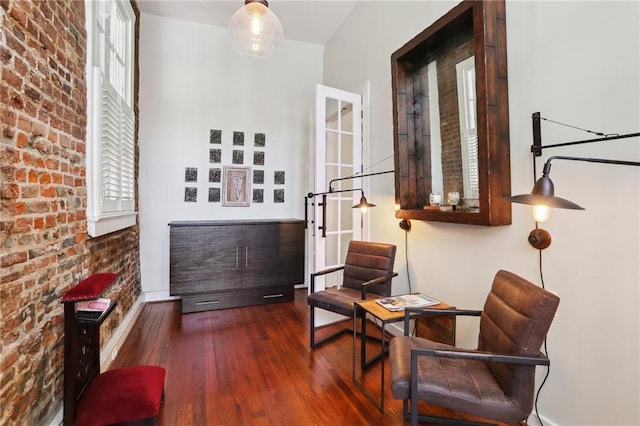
<point>311,21</point>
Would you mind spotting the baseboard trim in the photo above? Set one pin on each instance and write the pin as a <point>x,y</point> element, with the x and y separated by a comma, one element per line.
<point>158,296</point>
<point>533,420</point>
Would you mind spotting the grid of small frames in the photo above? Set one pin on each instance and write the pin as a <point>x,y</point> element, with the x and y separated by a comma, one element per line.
<point>253,158</point>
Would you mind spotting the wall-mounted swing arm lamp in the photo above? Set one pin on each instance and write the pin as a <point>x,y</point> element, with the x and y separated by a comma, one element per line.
<point>542,196</point>
<point>363,204</point>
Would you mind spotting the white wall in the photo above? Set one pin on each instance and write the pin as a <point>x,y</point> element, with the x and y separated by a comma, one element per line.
<point>191,81</point>
<point>575,62</point>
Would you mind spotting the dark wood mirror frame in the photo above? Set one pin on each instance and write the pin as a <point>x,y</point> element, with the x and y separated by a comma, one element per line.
<point>485,22</point>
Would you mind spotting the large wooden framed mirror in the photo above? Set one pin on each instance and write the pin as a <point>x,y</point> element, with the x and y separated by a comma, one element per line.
<point>451,119</point>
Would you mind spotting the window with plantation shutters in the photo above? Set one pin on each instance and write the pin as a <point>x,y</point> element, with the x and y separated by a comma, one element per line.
<point>111,119</point>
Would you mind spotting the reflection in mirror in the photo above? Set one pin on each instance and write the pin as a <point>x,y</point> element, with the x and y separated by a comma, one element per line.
<point>450,106</point>
<point>454,156</point>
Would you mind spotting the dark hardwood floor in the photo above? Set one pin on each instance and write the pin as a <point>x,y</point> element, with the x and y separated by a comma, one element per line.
<point>253,366</point>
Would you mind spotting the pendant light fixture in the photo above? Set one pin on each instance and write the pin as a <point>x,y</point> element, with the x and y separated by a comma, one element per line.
<point>255,30</point>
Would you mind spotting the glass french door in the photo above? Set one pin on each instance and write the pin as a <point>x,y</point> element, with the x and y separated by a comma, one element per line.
<point>337,154</point>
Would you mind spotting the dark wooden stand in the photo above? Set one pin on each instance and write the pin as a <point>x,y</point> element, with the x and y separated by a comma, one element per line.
<point>82,340</point>
<point>123,396</point>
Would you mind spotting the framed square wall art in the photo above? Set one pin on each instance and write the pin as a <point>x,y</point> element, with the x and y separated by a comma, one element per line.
<point>236,186</point>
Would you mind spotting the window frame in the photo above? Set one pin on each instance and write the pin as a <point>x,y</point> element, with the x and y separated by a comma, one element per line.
<point>107,213</point>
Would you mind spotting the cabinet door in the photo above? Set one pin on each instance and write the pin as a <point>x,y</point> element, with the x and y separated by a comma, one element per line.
<point>260,252</point>
<point>290,265</point>
<point>204,259</point>
<point>275,254</point>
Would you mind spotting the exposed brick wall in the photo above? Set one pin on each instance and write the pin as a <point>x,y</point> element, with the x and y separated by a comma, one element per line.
<point>43,231</point>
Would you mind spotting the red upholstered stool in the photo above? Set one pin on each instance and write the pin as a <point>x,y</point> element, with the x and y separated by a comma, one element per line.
<point>122,395</point>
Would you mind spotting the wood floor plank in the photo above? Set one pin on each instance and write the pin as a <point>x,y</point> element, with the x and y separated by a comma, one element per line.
<point>253,366</point>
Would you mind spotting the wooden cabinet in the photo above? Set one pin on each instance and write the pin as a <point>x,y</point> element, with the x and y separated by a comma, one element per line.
<point>226,264</point>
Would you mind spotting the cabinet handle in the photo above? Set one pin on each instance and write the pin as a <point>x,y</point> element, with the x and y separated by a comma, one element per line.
<point>208,302</point>
<point>271,296</point>
<point>237,260</point>
<point>246,256</point>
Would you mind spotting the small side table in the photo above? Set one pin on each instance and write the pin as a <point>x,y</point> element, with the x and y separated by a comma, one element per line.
<point>384,316</point>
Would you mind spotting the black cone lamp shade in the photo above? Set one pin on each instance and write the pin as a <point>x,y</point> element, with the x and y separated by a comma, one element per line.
<point>542,194</point>
<point>363,204</point>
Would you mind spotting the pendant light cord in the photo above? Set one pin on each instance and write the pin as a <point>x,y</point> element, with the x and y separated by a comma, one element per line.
<point>406,261</point>
<point>406,258</point>
<point>364,169</point>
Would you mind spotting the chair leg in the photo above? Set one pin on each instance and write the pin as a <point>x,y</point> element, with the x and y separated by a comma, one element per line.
<point>405,409</point>
<point>312,327</point>
<point>414,389</point>
<point>312,331</point>
<point>452,422</point>
<point>414,411</point>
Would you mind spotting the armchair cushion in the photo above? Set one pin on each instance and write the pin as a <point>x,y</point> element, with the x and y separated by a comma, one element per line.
<point>460,384</point>
<point>339,300</point>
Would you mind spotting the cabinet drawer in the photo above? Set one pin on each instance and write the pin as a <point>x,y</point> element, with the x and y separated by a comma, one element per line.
<point>233,299</point>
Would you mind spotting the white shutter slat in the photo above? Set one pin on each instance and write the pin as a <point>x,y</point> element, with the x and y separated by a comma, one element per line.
<point>128,155</point>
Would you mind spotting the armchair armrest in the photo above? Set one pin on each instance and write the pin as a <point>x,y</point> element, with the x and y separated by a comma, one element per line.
<point>374,281</point>
<point>323,272</point>
<point>540,359</point>
<point>413,313</point>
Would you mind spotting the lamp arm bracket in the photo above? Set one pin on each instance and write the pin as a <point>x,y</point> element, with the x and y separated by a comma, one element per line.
<point>547,164</point>
<point>537,149</point>
<point>311,194</point>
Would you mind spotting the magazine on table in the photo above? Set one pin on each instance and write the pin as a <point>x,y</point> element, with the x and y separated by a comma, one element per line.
<point>398,303</point>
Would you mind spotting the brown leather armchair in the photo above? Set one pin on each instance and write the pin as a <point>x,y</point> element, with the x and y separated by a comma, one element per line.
<point>495,381</point>
<point>367,274</point>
